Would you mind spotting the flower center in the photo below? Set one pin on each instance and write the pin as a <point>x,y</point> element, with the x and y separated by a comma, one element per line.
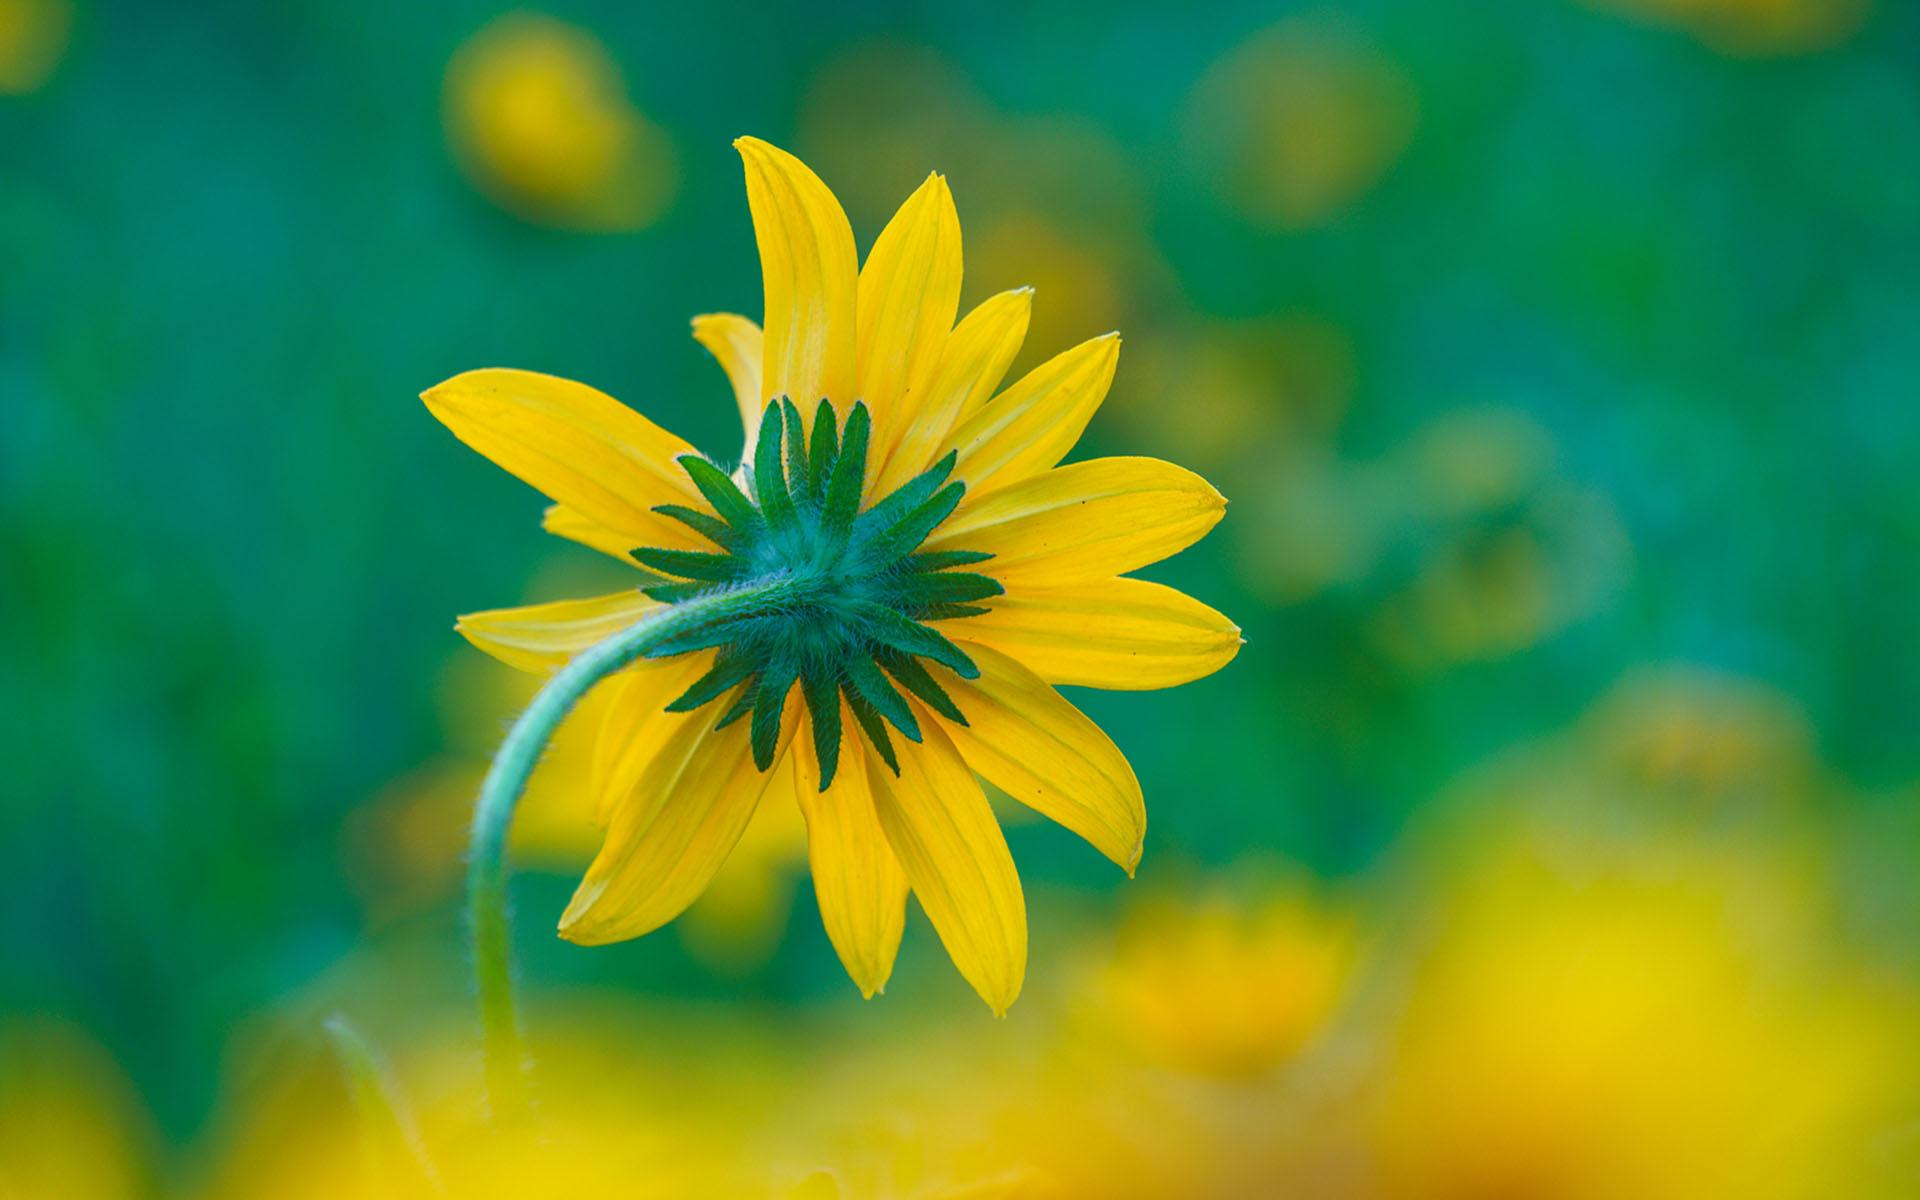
<point>854,591</point>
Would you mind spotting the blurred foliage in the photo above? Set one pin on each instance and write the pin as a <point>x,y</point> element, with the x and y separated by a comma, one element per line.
<point>1558,359</point>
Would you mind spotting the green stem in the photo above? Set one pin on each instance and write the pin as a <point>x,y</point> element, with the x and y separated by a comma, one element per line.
<point>507,780</point>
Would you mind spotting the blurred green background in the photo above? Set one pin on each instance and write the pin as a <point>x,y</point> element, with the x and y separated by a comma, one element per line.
<point>1559,361</point>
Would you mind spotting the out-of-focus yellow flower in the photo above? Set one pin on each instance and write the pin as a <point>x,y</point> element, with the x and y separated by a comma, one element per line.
<point>1238,392</point>
<point>615,1115</point>
<point>1712,738</point>
<point>33,39</point>
<point>1505,552</point>
<point>70,1126</point>
<point>1222,989</point>
<point>822,575</point>
<point>539,118</point>
<point>1671,746</point>
<point>1753,26</point>
<point>1470,543</point>
<point>1318,523</point>
<point>1298,121</point>
<point>1654,1022</point>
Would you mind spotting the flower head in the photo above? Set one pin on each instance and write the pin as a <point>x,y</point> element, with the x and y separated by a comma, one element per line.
<point>916,573</point>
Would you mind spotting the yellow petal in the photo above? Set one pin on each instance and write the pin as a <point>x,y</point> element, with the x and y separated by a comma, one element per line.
<point>561,521</point>
<point>737,344</point>
<point>1125,634</point>
<point>635,724</point>
<point>542,637</point>
<point>975,360</point>
<point>909,293</point>
<point>667,840</point>
<point>860,886</point>
<point>937,820</point>
<point>581,447</point>
<point>1031,426</point>
<point>1085,521</point>
<point>808,269</point>
<point>1028,741</point>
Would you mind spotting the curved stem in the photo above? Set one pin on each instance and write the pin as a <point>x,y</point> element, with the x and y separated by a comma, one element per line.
<point>507,780</point>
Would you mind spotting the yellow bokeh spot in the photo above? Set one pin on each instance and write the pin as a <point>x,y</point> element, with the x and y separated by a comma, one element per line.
<point>1222,989</point>
<point>1710,738</point>
<point>1227,391</point>
<point>1753,27</point>
<point>538,116</point>
<point>33,39</point>
<point>1300,120</point>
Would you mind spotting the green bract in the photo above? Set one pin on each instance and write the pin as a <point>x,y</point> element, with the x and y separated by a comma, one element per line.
<point>859,593</point>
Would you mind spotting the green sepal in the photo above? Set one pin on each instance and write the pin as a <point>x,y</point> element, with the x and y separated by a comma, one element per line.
<point>742,705</point>
<point>826,448</point>
<point>903,633</point>
<point>721,492</point>
<point>720,633</point>
<point>769,480</point>
<point>842,502</point>
<point>940,560</point>
<point>823,701</point>
<point>769,699</point>
<point>912,529</point>
<point>876,689</point>
<point>951,587</point>
<point>727,671</point>
<point>910,495</point>
<point>875,729</point>
<point>915,679</point>
<point>799,476</point>
<point>690,564</point>
<point>951,612</point>
<point>674,593</point>
<point>706,525</point>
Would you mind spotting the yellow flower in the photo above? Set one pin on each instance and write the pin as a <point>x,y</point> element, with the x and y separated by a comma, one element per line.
<point>302,1127</point>
<point>539,119</point>
<point>916,571</point>
<point>1657,1020</point>
<point>1300,121</point>
<point>1223,990</point>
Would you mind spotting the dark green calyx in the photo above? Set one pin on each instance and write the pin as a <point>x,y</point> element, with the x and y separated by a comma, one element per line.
<point>856,591</point>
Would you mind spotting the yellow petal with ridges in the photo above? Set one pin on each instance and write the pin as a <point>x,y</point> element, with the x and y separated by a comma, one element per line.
<point>635,724</point>
<point>976,358</point>
<point>580,446</point>
<point>809,271</point>
<point>941,829</point>
<point>1085,521</point>
<point>542,637</point>
<point>737,344</point>
<point>861,887</point>
<point>1123,634</point>
<point>1028,741</point>
<point>909,293</point>
<point>1031,426</point>
<point>666,841</point>
<point>561,521</point>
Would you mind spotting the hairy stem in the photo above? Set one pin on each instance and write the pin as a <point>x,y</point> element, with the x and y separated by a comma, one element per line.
<point>506,781</point>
